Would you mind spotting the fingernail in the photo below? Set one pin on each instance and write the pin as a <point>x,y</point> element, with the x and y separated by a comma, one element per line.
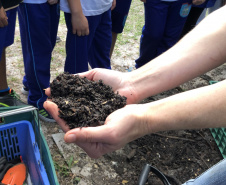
<point>70,138</point>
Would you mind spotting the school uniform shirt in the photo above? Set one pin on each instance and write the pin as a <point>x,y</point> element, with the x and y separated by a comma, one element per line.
<point>94,7</point>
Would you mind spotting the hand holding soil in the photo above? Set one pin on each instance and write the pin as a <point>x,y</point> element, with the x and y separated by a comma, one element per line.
<point>83,102</point>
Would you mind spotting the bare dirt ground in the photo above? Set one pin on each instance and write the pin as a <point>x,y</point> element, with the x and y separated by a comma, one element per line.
<point>181,154</point>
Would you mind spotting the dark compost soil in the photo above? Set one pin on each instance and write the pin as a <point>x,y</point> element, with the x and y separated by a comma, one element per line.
<point>83,102</point>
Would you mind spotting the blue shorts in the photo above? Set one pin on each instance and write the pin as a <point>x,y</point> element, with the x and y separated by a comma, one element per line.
<point>7,32</point>
<point>119,15</point>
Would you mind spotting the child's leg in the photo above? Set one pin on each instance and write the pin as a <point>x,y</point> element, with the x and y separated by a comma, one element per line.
<point>118,17</point>
<point>177,16</point>
<point>6,39</point>
<point>213,176</point>
<point>35,27</point>
<point>76,50</point>
<point>99,51</point>
<point>156,12</point>
<point>3,81</point>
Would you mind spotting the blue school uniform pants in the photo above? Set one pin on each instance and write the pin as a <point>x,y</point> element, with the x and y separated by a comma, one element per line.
<point>93,48</point>
<point>38,29</point>
<point>164,22</point>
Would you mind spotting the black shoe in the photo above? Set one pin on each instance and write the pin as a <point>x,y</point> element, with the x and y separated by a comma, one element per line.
<point>45,116</point>
<point>11,99</point>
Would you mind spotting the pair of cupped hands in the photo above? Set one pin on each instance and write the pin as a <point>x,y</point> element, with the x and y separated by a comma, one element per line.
<point>121,127</point>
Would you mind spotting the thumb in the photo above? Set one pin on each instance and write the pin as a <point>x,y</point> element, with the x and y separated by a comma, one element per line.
<point>89,135</point>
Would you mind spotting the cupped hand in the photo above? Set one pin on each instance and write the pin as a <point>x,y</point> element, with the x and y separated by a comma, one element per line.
<point>121,127</point>
<point>120,82</point>
<point>3,18</point>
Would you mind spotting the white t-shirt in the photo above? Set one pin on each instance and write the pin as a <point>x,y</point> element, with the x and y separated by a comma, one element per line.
<point>89,7</point>
<point>35,1</point>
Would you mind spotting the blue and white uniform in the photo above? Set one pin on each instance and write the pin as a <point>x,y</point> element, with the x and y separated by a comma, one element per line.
<point>164,21</point>
<point>95,47</point>
<point>119,15</point>
<point>38,21</point>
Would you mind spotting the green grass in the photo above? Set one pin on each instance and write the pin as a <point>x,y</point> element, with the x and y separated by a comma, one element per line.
<point>134,24</point>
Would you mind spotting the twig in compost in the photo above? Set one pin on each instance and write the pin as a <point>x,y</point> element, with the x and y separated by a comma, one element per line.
<point>174,137</point>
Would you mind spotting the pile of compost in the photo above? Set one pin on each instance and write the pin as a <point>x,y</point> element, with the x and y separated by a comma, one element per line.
<point>83,102</point>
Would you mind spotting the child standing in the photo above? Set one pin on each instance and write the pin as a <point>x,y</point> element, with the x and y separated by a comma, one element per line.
<point>164,21</point>
<point>118,18</point>
<point>89,34</point>
<point>38,21</point>
<point>8,10</point>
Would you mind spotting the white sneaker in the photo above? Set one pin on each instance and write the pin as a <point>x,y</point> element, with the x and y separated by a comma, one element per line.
<point>25,90</point>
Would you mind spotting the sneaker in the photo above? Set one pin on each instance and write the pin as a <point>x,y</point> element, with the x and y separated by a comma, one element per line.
<point>45,116</point>
<point>11,99</point>
<point>58,39</point>
<point>25,90</point>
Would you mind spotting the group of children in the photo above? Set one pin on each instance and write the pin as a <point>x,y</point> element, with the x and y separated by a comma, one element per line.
<point>92,30</point>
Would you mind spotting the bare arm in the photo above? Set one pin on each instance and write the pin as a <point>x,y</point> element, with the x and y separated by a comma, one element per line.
<point>3,17</point>
<point>79,22</point>
<point>198,52</point>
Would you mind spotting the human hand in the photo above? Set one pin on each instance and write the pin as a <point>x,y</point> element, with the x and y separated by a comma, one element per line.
<point>3,18</point>
<point>120,82</point>
<point>113,5</point>
<point>121,127</point>
<point>144,1</point>
<point>52,2</point>
<point>80,24</point>
<point>198,2</point>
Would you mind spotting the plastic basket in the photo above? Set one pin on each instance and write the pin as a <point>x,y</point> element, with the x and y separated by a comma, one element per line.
<point>13,114</point>
<point>219,134</point>
<point>18,139</point>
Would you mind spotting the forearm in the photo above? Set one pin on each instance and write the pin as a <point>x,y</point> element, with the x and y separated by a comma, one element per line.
<point>200,108</point>
<point>198,52</point>
<point>75,6</point>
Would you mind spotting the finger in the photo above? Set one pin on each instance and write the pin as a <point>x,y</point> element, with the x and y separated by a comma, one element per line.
<point>74,31</point>
<point>87,32</point>
<point>79,33</point>
<point>5,22</point>
<point>48,91</point>
<point>54,112</point>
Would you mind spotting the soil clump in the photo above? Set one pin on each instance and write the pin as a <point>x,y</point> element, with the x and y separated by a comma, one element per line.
<point>83,102</point>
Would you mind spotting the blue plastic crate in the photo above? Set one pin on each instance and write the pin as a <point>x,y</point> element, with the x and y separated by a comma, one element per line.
<point>18,139</point>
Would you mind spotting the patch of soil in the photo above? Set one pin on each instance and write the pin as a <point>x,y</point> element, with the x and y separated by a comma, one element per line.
<point>83,102</point>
